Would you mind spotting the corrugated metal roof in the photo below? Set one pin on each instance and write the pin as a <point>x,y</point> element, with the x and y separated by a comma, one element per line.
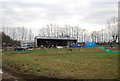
<point>60,38</point>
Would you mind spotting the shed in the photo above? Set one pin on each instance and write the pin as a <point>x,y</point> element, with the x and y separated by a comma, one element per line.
<point>54,41</point>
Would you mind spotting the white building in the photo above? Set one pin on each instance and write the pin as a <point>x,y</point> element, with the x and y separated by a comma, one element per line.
<point>27,44</point>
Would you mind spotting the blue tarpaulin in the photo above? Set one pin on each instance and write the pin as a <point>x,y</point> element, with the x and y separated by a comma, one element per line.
<point>91,44</point>
<point>76,45</point>
<point>109,50</point>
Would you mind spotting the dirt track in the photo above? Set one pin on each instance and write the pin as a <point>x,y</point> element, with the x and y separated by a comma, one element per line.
<point>12,77</point>
<point>7,76</point>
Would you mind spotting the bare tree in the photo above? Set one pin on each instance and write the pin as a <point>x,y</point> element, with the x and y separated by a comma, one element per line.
<point>112,27</point>
<point>30,37</point>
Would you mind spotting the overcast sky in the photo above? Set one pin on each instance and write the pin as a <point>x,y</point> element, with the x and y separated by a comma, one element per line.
<point>34,14</point>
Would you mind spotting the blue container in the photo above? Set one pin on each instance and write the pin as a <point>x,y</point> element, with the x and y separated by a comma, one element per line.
<point>91,44</point>
<point>76,45</point>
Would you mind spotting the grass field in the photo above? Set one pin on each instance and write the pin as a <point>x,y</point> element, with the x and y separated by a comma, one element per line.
<point>80,63</point>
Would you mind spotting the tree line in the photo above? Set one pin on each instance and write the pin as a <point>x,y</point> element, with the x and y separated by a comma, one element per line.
<point>108,34</point>
<point>18,33</point>
<point>6,40</point>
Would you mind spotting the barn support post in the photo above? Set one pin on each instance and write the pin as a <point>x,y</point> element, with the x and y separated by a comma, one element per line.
<point>36,43</point>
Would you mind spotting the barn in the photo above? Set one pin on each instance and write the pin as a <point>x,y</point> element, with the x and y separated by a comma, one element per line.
<point>54,41</point>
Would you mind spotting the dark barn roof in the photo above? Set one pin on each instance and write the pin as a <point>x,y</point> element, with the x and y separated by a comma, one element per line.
<point>55,38</point>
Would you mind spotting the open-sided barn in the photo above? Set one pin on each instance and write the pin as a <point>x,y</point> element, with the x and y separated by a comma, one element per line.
<point>54,41</point>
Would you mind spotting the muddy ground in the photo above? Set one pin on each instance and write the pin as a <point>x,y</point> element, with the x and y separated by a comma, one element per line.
<point>11,76</point>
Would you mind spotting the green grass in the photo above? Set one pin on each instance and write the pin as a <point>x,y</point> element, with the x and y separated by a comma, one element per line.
<point>81,63</point>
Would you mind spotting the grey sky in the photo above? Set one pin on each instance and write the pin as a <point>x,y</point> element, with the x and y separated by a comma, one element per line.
<point>34,14</point>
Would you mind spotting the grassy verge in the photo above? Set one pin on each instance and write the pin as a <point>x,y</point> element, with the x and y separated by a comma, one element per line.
<point>80,63</point>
